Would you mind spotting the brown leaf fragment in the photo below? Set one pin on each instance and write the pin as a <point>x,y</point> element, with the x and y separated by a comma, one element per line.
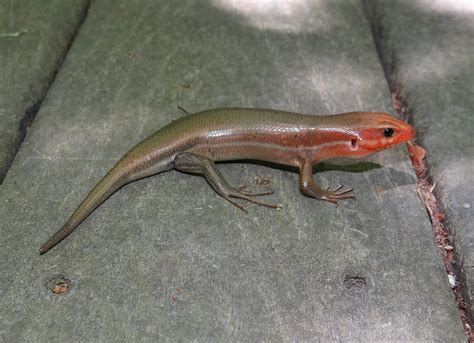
<point>262,180</point>
<point>417,154</point>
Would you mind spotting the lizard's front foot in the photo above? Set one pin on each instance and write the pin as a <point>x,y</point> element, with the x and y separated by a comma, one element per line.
<point>336,194</point>
<point>311,189</point>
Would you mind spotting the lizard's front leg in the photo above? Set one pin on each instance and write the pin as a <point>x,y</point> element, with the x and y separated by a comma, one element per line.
<point>310,188</point>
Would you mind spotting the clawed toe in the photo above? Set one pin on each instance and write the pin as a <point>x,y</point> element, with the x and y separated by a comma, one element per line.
<point>335,189</point>
<point>236,204</point>
<point>249,196</point>
<point>338,194</point>
<point>242,190</point>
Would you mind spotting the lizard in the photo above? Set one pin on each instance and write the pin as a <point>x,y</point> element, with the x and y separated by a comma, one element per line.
<point>196,141</point>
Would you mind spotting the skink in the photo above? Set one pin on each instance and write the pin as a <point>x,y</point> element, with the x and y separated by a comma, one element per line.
<point>193,143</point>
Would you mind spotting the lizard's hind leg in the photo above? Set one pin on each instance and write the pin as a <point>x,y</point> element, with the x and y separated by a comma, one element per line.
<point>196,164</point>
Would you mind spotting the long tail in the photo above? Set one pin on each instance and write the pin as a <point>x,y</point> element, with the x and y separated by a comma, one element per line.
<point>111,182</point>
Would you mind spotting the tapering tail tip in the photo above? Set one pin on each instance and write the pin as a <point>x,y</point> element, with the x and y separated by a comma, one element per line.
<point>48,245</point>
<point>44,249</point>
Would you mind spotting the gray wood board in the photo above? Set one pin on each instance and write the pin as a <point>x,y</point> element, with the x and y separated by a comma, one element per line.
<point>430,54</point>
<point>167,258</point>
<point>34,37</point>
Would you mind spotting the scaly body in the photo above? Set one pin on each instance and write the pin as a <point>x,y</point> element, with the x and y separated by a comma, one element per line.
<point>193,143</point>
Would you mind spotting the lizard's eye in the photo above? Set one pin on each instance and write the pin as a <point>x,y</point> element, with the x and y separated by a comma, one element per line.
<point>388,132</point>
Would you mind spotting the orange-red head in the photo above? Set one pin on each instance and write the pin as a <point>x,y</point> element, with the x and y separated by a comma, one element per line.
<point>359,134</point>
<point>379,131</point>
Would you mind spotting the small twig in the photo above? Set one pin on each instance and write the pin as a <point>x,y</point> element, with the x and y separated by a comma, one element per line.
<point>13,34</point>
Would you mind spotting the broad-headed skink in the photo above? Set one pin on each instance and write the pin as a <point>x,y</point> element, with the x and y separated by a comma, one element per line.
<point>193,143</point>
